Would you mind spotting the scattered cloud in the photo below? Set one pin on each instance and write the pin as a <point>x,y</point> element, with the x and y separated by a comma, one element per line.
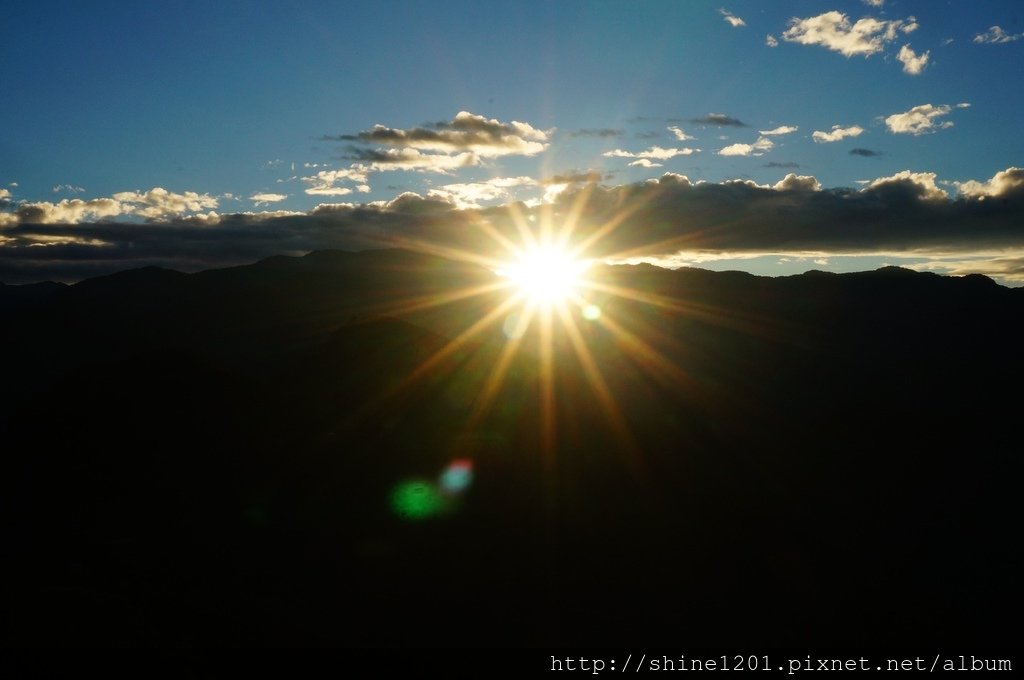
<point>874,3</point>
<point>833,31</point>
<point>781,130</point>
<point>866,153</point>
<point>69,188</point>
<point>733,20</point>
<point>996,36</point>
<point>596,132</point>
<point>473,195</point>
<point>921,119</point>
<point>155,204</point>
<point>655,152</point>
<point>913,64</point>
<point>159,203</point>
<point>776,164</point>
<point>719,119</point>
<point>758,148</point>
<point>325,182</point>
<point>67,211</point>
<point>467,132</point>
<point>644,163</point>
<point>680,135</point>
<point>836,133</point>
<point>910,25</point>
<point>412,160</point>
<point>265,198</point>
<point>771,41</point>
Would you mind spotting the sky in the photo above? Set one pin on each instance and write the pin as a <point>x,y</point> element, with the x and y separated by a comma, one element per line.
<point>769,137</point>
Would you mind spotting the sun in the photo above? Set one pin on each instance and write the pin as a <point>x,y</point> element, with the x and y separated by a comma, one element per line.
<point>545,275</point>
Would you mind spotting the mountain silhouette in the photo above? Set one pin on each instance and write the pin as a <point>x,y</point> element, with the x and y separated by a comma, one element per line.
<point>219,459</point>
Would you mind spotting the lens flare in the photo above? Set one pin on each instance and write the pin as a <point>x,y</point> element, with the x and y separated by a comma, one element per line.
<point>416,500</point>
<point>457,477</point>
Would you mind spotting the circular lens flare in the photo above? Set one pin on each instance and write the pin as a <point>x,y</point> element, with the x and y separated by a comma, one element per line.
<point>544,275</point>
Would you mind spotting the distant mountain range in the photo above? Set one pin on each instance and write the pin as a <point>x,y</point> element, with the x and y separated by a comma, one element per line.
<point>220,458</point>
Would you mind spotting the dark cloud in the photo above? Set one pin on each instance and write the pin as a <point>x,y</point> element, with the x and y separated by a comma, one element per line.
<point>719,119</point>
<point>867,153</point>
<point>596,132</point>
<point>465,132</point>
<point>776,164</point>
<point>648,135</point>
<point>903,213</point>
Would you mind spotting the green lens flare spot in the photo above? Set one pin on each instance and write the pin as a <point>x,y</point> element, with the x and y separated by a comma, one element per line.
<point>416,500</point>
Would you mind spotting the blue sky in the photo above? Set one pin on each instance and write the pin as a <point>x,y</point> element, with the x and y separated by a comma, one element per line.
<point>141,116</point>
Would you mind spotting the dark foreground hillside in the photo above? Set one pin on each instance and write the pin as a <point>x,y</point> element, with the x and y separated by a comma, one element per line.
<point>219,458</point>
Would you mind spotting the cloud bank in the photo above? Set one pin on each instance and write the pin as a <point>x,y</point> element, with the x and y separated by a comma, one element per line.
<point>907,213</point>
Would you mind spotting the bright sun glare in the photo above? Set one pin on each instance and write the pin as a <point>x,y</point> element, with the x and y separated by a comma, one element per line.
<point>545,275</point>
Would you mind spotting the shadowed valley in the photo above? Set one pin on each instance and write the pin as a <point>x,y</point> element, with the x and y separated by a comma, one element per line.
<point>216,458</point>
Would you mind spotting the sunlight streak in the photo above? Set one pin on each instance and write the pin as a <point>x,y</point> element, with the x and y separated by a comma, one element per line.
<point>598,384</point>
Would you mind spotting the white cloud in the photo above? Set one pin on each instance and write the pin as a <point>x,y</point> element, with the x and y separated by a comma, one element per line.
<point>910,26</point>
<point>771,41</point>
<point>874,3</point>
<point>325,182</point>
<point>833,31</point>
<point>412,160</point>
<point>264,198</point>
<point>912,63</point>
<point>781,130</point>
<point>923,182</point>
<point>159,203</point>
<point>155,204</point>
<point>680,135</point>
<point>733,20</point>
<point>921,119</point>
<point>68,187</point>
<point>644,163</point>
<point>68,211</point>
<point>836,133</point>
<point>996,36</point>
<point>4,193</point>
<point>473,194</point>
<point>1011,179</point>
<point>758,148</point>
<point>655,152</point>
<point>794,182</point>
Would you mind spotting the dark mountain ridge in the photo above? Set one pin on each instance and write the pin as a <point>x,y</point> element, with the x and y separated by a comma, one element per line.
<point>214,459</point>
